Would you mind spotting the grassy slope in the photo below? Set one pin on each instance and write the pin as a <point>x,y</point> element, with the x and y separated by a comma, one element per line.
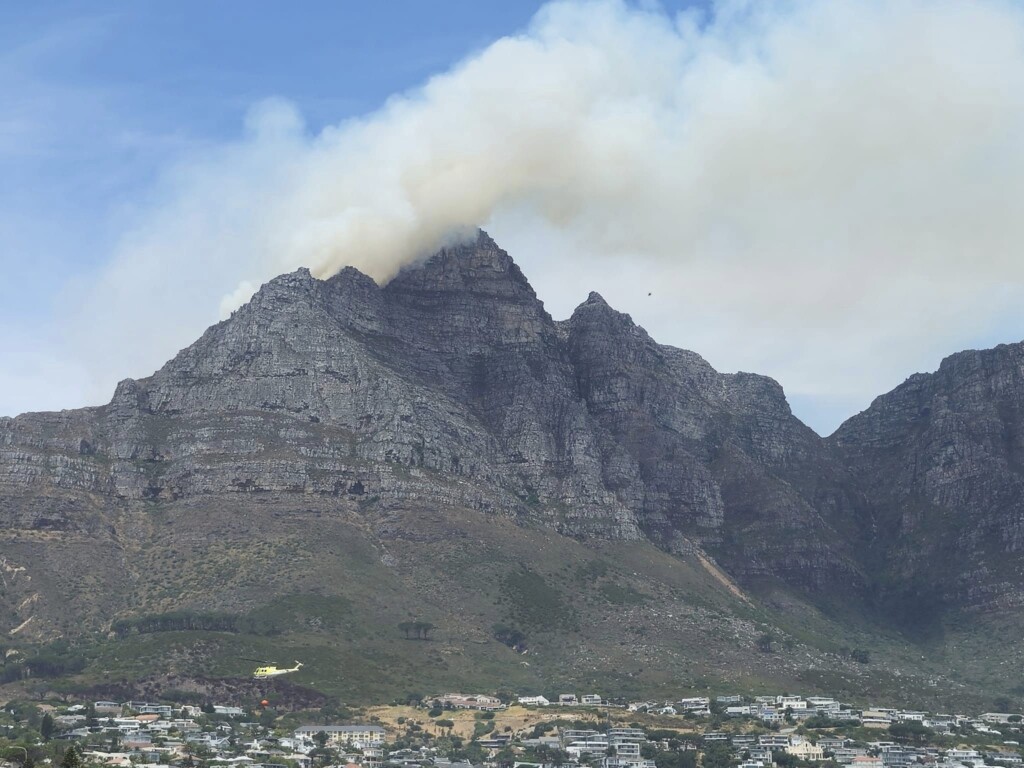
<point>617,618</point>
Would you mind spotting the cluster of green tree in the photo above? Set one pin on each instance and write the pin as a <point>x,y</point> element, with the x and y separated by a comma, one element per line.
<point>45,664</point>
<point>551,755</point>
<point>182,621</point>
<point>321,754</point>
<point>482,727</point>
<point>783,759</point>
<point>186,621</point>
<point>335,710</point>
<point>910,732</point>
<point>20,753</point>
<point>446,744</point>
<point>1004,704</point>
<point>859,655</point>
<point>72,757</point>
<point>541,728</point>
<point>534,603</point>
<point>768,643</point>
<point>510,636</point>
<point>821,721</point>
<point>671,758</point>
<point>470,753</point>
<point>177,696</point>
<point>419,630</point>
<point>718,755</point>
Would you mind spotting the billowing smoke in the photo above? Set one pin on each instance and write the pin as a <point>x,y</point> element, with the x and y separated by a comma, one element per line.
<point>827,191</point>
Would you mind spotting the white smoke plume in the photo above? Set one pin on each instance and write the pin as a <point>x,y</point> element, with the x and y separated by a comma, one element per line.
<point>827,191</point>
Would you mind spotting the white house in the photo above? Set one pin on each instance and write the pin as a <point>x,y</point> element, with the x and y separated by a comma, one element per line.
<point>875,718</point>
<point>359,736</point>
<point>805,750</point>
<point>1000,717</point>
<point>533,701</point>
<point>790,702</point>
<point>962,754</point>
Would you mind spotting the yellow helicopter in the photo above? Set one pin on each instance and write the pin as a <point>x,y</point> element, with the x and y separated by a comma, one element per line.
<point>271,670</point>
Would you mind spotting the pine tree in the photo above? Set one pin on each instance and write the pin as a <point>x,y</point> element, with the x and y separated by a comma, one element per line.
<point>71,758</point>
<point>46,727</point>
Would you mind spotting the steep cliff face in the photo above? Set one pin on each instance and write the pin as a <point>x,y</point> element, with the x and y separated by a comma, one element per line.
<point>451,386</point>
<point>940,462</point>
<point>717,458</point>
<point>471,325</point>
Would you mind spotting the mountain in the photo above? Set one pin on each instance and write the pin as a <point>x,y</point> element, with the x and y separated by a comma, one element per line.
<point>941,462</point>
<point>338,457</point>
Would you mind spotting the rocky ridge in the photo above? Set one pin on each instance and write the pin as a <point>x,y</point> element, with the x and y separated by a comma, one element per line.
<point>452,387</point>
<point>940,461</point>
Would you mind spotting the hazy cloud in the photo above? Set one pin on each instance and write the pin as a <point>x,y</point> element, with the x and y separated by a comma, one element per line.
<point>828,192</point>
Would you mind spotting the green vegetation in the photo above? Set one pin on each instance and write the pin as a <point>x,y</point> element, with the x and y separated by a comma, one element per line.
<point>178,621</point>
<point>46,727</point>
<point>910,733</point>
<point>54,660</point>
<point>617,594</point>
<point>72,758</point>
<point>419,630</point>
<point>510,636</point>
<point>319,590</point>
<point>676,759</point>
<point>482,728</point>
<point>718,755</point>
<point>859,655</point>
<point>536,603</point>
<point>273,619</point>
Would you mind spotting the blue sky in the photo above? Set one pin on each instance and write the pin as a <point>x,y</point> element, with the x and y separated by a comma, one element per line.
<point>819,190</point>
<point>101,96</point>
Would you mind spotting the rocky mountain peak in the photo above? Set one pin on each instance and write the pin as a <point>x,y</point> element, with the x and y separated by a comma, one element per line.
<point>476,266</point>
<point>1002,367</point>
<point>355,300</point>
<point>468,296</point>
<point>299,280</point>
<point>596,314</point>
<point>945,446</point>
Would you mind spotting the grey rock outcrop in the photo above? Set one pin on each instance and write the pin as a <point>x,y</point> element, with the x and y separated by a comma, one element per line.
<point>941,462</point>
<point>453,387</point>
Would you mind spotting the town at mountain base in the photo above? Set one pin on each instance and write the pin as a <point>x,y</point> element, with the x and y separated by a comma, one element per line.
<point>470,730</point>
<point>338,459</point>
